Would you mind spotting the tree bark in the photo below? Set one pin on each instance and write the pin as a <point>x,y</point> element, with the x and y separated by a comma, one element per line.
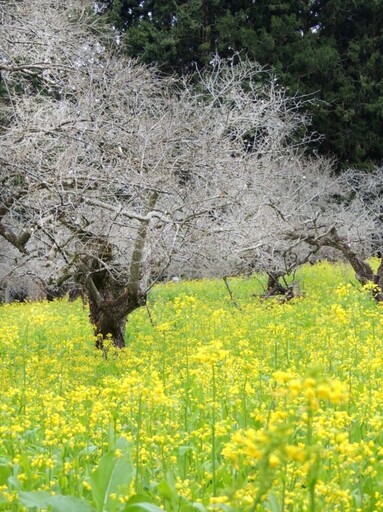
<point>106,323</point>
<point>364,272</point>
<point>109,307</point>
<point>274,287</point>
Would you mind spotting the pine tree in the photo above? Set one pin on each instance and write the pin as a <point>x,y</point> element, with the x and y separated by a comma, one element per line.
<point>331,50</point>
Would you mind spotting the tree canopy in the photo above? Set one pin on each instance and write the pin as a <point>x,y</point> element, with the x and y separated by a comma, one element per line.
<point>330,50</point>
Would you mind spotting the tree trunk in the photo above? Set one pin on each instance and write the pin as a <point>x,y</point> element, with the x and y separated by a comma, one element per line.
<point>364,272</point>
<point>112,298</point>
<point>274,287</point>
<point>110,306</point>
<point>106,323</point>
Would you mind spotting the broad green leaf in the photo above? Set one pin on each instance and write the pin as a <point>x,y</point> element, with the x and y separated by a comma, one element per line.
<point>357,497</point>
<point>5,473</point>
<point>273,503</point>
<point>113,475</point>
<point>138,507</point>
<point>182,450</point>
<point>199,506</point>
<point>167,491</point>
<point>26,467</point>
<point>5,470</point>
<point>138,498</point>
<point>14,482</point>
<point>33,499</point>
<point>59,503</point>
<point>226,508</point>
<point>88,450</point>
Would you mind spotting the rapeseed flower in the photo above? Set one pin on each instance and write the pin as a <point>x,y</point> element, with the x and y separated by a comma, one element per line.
<point>272,404</point>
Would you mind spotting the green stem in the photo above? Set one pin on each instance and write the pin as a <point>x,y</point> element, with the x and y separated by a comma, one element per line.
<point>275,354</point>
<point>213,435</point>
<point>244,404</point>
<point>312,497</point>
<point>138,440</point>
<point>187,391</point>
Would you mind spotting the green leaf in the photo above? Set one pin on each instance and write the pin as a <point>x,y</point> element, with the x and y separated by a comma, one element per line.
<point>138,507</point>
<point>26,467</point>
<point>182,450</point>
<point>60,503</point>
<point>273,503</point>
<point>33,499</point>
<point>167,491</point>
<point>5,473</point>
<point>112,476</point>
<point>14,482</point>
<point>199,506</point>
<point>88,450</point>
<point>226,508</point>
<point>137,498</point>
<point>57,502</point>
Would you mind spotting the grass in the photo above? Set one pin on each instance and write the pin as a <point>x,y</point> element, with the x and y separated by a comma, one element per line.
<point>262,407</point>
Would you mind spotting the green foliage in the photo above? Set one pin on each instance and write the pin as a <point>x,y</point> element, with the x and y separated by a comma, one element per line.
<point>36,500</point>
<point>112,476</point>
<point>329,50</point>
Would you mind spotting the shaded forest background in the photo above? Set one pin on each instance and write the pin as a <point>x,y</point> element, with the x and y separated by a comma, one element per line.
<point>328,50</point>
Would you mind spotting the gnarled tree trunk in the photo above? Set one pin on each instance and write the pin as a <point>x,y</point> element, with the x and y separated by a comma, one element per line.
<point>109,309</point>
<point>110,301</point>
<point>106,323</point>
<point>364,272</point>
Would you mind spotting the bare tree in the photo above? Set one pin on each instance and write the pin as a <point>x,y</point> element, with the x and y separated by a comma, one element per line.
<point>352,226</point>
<point>297,210</point>
<point>114,177</point>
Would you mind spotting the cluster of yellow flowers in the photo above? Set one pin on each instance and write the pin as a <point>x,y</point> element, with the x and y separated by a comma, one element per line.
<point>268,407</point>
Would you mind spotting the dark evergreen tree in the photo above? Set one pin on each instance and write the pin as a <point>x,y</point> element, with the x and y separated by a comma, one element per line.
<point>177,35</point>
<point>331,50</point>
<point>351,35</point>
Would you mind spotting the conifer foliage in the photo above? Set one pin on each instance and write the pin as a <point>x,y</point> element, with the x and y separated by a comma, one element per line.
<point>331,50</point>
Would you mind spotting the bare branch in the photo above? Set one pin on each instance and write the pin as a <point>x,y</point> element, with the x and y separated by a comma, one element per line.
<point>38,66</point>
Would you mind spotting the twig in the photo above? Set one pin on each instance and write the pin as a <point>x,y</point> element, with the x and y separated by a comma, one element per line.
<point>231,294</point>
<point>150,315</point>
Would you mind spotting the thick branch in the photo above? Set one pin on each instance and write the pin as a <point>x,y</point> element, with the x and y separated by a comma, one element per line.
<point>19,242</point>
<point>139,244</point>
<point>130,215</point>
<point>379,275</point>
<point>364,272</point>
<point>93,292</point>
<point>362,269</point>
<point>38,66</point>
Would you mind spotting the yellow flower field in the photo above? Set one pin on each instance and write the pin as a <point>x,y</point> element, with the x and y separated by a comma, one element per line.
<point>267,406</point>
